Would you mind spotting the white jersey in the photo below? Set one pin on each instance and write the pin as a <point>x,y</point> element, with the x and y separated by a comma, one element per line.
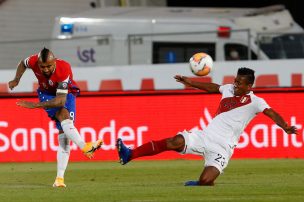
<point>233,115</point>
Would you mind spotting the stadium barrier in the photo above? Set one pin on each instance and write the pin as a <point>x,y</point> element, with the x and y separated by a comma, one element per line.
<point>140,116</point>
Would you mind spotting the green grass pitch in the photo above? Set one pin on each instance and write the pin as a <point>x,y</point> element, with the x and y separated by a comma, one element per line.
<point>153,181</point>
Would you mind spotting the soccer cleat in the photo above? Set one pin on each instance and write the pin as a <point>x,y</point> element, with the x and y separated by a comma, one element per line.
<point>192,183</point>
<point>59,182</point>
<point>91,147</point>
<point>123,152</point>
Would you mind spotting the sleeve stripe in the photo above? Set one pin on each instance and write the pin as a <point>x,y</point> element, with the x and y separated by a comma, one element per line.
<point>67,79</point>
<point>26,62</point>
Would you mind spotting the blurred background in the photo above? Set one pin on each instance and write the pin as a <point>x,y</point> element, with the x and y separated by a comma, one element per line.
<point>124,56</point>
<point>115,33</point>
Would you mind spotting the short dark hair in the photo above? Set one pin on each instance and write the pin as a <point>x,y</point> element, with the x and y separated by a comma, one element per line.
<point>44,54</point>
<point>249,73</point>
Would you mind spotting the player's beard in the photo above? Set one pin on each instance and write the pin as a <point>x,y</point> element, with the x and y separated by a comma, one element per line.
<point>47,75</point>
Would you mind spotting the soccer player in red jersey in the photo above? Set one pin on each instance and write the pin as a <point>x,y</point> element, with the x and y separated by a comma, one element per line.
<point>217,141</point>
<point>57,93</point>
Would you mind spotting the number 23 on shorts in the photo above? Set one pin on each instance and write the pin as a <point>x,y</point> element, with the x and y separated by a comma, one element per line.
<point>220,159</point>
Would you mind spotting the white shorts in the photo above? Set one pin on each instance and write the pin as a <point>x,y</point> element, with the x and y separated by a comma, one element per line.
<point>214,155</point>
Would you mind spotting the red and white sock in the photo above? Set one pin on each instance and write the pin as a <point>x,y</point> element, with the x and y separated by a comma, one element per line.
<point>150,149</point>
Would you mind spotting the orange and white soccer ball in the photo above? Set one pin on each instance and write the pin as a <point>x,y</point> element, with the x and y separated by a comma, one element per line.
<point>201,64</point>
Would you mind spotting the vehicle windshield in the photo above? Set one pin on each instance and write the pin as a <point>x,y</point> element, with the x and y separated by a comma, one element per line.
<point>284,46</point>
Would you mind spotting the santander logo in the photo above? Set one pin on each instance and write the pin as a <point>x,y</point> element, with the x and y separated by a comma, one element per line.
<point>262,135</point>
<point>30,139</point>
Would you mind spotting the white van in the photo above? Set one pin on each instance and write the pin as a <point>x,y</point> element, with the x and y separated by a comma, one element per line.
<point>145,35</point>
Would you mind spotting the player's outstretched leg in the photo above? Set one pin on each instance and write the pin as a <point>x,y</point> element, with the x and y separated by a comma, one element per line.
<point>123,152</point>
<point>90,147</point>
<point>72,133</point>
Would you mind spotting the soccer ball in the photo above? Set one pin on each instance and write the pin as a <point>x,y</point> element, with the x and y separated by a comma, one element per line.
<point>201,64</point>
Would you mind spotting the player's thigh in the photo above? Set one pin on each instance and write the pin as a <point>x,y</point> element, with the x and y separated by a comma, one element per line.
<point>70,105</point>
<point>62,114</point>
<point>44,97</point>
<point>69,109</point>
<point>193,143</point>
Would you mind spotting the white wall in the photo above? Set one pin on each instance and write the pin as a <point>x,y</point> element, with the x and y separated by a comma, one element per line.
<point>32,19</point>
<point>162,75</point>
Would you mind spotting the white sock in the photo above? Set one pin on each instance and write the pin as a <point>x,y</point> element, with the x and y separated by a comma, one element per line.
<point>63,154</point>
<point>72,133</point>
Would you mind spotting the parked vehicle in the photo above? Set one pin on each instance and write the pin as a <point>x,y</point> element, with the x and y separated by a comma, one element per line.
<point>137,35</point>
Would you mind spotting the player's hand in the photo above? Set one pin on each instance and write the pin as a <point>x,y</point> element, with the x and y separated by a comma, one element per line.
<point>13,83</point>
<point>183,79</point>
<point>180,78</point>
<point>291,130</point>
<point>26,104</point>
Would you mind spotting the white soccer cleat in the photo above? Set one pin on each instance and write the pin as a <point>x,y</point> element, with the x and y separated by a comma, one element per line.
<point>59,182</point>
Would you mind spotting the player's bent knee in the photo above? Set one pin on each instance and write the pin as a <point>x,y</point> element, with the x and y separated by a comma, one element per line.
<point>176,143</point>
<point>209,175</point>
<point>62,114</point>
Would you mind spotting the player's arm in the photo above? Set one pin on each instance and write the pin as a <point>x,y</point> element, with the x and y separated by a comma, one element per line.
<point>19,72</point>
<point>280,121</point>
<point>209,87</point>
<point>58,101</point>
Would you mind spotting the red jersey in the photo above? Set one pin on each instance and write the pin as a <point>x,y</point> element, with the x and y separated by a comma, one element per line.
<point>62,74</point>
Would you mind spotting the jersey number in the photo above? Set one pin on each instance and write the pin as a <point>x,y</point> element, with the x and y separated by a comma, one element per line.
<point>72,116</point>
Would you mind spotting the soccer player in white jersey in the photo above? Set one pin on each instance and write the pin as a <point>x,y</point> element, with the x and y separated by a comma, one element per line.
<point>217,141</point>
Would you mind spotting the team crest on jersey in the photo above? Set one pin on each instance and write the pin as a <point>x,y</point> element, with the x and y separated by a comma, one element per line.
<point>64,85</point>
<point>51,83</point>
<point>244,99</point>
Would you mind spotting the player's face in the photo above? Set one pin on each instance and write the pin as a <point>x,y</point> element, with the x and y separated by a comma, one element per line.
<point>241,86</point>
<point>47,68</point>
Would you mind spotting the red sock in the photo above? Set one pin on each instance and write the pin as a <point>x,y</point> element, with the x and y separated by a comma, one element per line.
<point>150,149</point>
